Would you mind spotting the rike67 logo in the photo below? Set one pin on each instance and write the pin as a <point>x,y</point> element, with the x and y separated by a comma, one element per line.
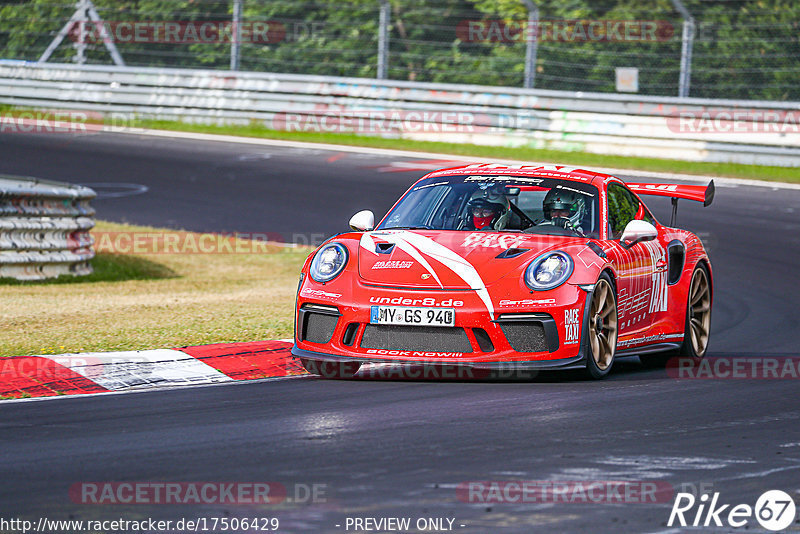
<point>774,510</point>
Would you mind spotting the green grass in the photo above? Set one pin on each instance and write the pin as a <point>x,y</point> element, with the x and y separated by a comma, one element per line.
<point>154,300</point>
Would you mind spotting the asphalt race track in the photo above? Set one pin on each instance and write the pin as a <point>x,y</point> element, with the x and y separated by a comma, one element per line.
<point>394,448</point>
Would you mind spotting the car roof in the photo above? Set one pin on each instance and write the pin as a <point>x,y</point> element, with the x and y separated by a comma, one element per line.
<point>544,171</point>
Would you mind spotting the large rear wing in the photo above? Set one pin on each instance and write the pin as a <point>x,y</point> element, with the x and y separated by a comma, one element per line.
<point>698,193</point>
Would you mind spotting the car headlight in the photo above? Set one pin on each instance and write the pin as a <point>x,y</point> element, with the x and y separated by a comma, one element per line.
<point>328,262</point>
<point>548,271</point>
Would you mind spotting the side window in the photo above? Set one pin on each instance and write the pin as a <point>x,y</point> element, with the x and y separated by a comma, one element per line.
<point>622,209</point>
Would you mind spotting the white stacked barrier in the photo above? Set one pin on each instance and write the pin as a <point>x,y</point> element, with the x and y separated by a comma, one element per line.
<point>600,123</point>
<point>44,229</point>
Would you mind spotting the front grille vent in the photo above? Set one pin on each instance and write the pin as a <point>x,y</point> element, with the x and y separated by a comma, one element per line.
<point>319,328</point>
<point>483,339</point>
<point>525,336</point>
<point>415,338</point>
<point>318,322</point>
<point>349,336</point>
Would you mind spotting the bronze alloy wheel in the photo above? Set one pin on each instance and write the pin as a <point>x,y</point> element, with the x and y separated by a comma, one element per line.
<point>699,311</point>
<point>698,323</point>
<point>603,325</point>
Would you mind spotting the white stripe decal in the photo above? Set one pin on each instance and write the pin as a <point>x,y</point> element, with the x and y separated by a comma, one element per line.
<point>411,251</point>
<point>368,244</point>
<point>447,257</point>
<point>124,370</point>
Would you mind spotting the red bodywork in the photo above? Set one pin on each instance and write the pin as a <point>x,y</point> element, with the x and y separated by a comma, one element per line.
<point>651,308</point>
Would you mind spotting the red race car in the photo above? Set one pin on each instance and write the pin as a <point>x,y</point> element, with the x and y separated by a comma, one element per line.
<point>508,267</point>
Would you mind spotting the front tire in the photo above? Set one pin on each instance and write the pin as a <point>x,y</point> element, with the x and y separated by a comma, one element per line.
<point>602,329</point>
<point>335,370</point>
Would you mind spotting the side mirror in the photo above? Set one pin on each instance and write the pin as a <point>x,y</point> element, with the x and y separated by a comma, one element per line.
<point>363,221</point>
<point>637,231</point>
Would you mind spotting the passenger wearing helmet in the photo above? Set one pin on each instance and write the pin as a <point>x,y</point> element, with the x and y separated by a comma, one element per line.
<point>488,209</point>
<point>564,208</point>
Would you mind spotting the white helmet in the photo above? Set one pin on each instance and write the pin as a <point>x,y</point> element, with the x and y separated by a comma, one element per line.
<point>564,204</point>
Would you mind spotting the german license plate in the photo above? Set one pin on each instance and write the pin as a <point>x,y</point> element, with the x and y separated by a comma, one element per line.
<point>401,315</point>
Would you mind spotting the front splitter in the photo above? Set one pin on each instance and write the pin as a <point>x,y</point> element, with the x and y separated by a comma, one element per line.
<point>575,362</point>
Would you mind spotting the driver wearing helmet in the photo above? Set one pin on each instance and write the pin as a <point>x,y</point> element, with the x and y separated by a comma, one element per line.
<point>488,209</point>
<point>564,208</point>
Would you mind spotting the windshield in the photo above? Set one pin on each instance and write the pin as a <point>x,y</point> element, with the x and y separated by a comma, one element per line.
<point>499,203</point>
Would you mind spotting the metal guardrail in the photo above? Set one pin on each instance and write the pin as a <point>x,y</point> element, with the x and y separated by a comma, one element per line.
<point>592,122</point>
<point>44,229</point>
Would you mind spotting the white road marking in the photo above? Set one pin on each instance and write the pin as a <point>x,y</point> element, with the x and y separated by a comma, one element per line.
<point>671,463</point>
<point>761,474</point>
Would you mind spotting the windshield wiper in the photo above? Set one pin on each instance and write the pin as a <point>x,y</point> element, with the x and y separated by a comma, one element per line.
<point>407,228</point>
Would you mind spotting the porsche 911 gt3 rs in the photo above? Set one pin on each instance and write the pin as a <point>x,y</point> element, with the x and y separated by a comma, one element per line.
<point>508,267</point>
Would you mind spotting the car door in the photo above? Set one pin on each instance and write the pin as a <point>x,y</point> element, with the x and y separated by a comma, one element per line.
<point>641,295</point>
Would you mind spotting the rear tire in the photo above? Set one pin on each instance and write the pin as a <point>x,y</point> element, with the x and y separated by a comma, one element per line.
<point>602,329</point>
<point>335,370</point>
<point>697,325</point>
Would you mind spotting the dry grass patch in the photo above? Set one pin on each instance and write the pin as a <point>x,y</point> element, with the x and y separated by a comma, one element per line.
<point>154,300</point>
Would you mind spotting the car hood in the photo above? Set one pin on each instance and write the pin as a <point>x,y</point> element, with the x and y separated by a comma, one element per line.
<point>448,259</point>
